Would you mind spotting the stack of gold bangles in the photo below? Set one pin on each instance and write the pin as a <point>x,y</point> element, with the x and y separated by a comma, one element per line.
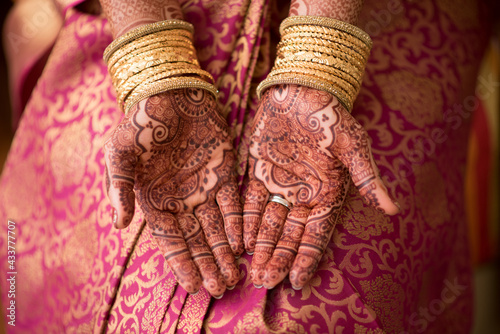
<point>152,59</point>
<point>321,53</point>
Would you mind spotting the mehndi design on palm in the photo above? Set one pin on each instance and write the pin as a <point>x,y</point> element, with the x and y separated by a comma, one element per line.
<point>305,147</point>
<point>174,149</point>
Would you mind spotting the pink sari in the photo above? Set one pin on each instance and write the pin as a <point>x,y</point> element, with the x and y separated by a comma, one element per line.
<point>407,273</point>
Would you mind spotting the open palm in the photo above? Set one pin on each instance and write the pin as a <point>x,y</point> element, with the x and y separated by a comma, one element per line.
<point>305,147</point>
<point>175,150</point>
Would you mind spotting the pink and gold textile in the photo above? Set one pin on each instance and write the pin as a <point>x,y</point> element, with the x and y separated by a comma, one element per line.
<point>407,273</point>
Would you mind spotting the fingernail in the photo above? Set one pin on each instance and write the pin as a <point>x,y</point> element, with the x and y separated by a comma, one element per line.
<point>219,297</point>
<point>230,287</point>
<point>296,288</point>
<point>115,217</point>
<point>194,293</point>
<point>268,287</point>
<point>257,286</point>
<point>250,253</point>
<point>396,203</point>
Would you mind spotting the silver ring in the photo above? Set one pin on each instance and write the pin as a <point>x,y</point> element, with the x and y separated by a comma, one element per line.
<point>280,200</point>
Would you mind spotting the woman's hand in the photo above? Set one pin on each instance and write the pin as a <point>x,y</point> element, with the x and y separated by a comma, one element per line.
<point>175,149</point>
<point>305,147</point>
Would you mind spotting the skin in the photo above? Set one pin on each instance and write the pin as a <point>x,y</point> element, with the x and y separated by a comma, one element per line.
<point>173,153</point>
<point>186,188</point>
<point>306,148</point>
<point>127,15</point>
<point>343,10</point>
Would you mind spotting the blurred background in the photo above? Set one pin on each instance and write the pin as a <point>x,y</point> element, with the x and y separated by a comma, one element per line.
<point>482,184</point>
<point>6,132</point>
<point>5,109</point>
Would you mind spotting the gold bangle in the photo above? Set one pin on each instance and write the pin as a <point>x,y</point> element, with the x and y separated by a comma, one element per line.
<point>351,43</point>
<point>342,84</point>
<point>332,51</point>
<point>326,22</point>
<point>346,90</point>
<point>332,56</point>
<point>158,74</point>
<point>303,81</point>
<point>151,58</point>
<point>144,41</point>
<point>145,30</point>
<point>158,64</point>
<point>340,69</point>
<point>127,53</point>
<point>324,68</point>
<point>329,32</point>
<point>166,55</point>
<point>128,89</point>
<point>344,46</point>
<point>320,58</point>
<point>320,53</point>
<point>336,44</point>
<point>170,84</point>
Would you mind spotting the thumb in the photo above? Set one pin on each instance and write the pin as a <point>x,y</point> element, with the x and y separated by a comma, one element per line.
<point>354,151</point>
<point>375,194</point>
<point>121,160</point>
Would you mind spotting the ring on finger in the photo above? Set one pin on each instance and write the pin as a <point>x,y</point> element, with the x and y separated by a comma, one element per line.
<point>280,200</point>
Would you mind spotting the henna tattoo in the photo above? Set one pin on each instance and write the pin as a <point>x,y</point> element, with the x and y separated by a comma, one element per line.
<point>121,169</point>
<point>303,146</point>
<point>344,10</point>
<point>175,149</point>
<point>126,15</point>
<point>211,220</point>
<point>255,202</point>
<point>352,146</point>
<point>269,232</point>
<point>284,254</point>
<point>317,233</point>
<point>368,190</point>
<point>169,238</point>
<point>230,206</point>
<point>213,281</point>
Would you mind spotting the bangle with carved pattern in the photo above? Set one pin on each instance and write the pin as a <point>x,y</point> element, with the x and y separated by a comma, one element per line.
<point>320,53</point>
<point>155,58</point>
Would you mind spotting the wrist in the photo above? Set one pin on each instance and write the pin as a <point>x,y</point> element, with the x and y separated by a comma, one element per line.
<point>320,53</point>
<point>155,58</point>
<point>125,16</point>
<point>342,10</point>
